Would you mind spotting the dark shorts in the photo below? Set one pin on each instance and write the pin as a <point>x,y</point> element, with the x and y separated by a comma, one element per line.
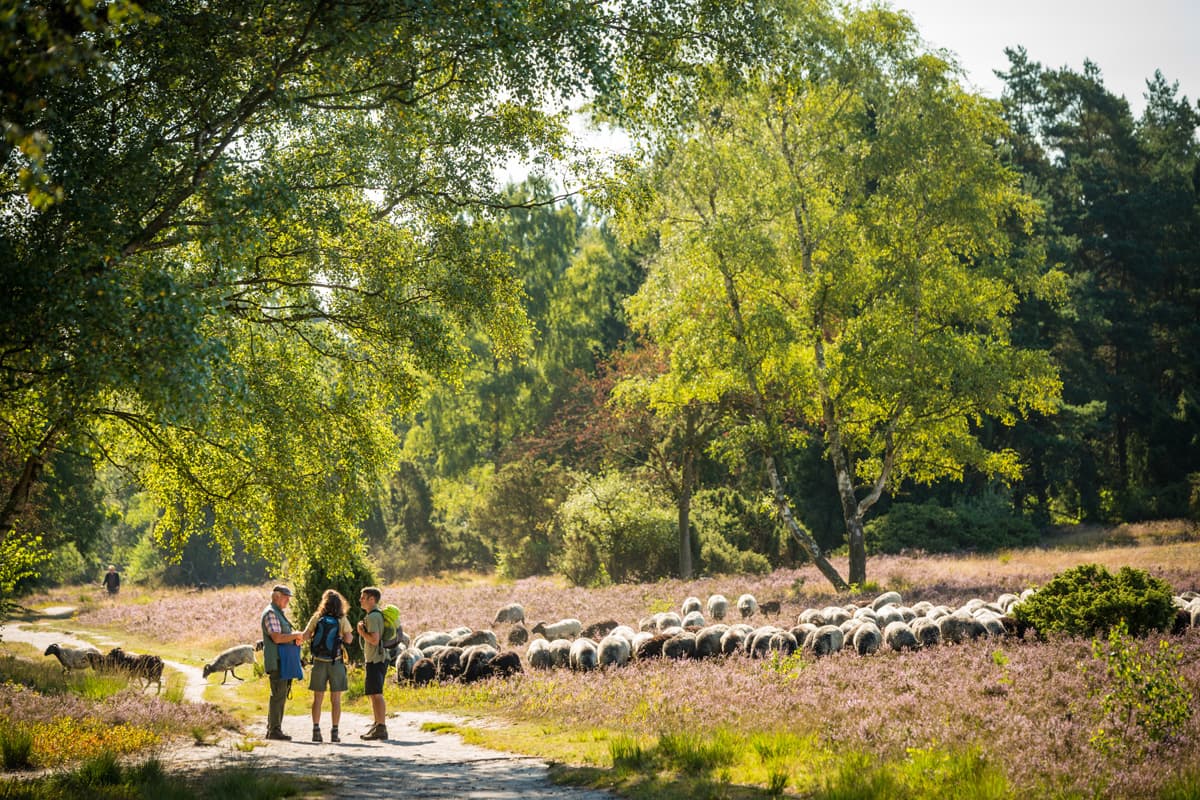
<point>376,672</point>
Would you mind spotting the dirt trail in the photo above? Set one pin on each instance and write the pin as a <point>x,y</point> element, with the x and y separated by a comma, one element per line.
<point>411,763</point>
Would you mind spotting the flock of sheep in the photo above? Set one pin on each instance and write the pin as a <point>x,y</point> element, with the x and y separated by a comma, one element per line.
<point>708,631</point>
<point>696,631</point>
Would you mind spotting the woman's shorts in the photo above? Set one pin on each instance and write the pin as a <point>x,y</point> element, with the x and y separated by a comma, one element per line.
<point>331,674</point>
<point>376,672</point>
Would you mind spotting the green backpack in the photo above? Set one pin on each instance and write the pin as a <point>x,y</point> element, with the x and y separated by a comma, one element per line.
<point>391,627</point>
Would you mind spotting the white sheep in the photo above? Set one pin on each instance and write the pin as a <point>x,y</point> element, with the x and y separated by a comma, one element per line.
<point>583,655</point>
<point>476,637</point>
<point>230,659</point>
<point>560,651</point>
<point>717,606</point>
<point>430,639</point>
<point>747,605</point>
<point>867,638</point>
<point>563,629</point>
<point>825,640</point>
<point>613,650</point>
<point>513,612</point>
<point>74,657</point>
<point>835,615</point>
<point>884,599</point>
<point>898,636</point>
<point>708,640</point>
<point>693,619</point>
<point>667,620</point>
<point>689,605</point>
<point>539,654</point>
<point>926,631</point>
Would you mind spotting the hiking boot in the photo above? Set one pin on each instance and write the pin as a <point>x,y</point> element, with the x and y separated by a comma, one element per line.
<point>317,733</point>
<point>377,732</point>
<point>278,736</point>
<point>333,734</point>
<point>370,734</point>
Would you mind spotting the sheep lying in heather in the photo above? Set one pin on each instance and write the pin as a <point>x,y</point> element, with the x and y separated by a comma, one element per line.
<point>229,660</point>
<point>74,657</point>
<point>147,668</point>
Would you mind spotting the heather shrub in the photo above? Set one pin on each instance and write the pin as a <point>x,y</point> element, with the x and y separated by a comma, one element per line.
<point>1146,688</point>
<point>1088,599</point>
<point>985,524</point>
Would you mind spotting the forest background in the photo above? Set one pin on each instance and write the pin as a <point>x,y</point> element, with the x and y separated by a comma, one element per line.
<point>268,308</point>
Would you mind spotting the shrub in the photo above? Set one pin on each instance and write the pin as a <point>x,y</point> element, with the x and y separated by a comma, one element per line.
<point>986,523</point>
<point>1088,599</point>
<point>616,529</point>
<point>317,578</point>
<point>1146,688</point>
<point>16,746</point>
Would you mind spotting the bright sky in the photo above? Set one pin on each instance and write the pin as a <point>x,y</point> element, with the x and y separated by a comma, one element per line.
<point>1126,40</point>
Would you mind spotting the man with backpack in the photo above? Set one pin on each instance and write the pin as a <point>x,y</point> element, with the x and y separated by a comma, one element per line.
<point>326,633</point>
<point>370,629</point>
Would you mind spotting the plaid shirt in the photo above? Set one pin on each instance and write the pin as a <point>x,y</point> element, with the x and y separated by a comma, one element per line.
<point>273,625</point>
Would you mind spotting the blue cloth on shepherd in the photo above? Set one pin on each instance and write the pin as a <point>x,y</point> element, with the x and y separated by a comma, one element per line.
<point>289,662</point>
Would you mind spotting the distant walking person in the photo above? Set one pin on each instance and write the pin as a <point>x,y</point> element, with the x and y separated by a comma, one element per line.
<point>276,631</point>
<point>370,629</point>
<point>326,632</point>
<point>112,580</point>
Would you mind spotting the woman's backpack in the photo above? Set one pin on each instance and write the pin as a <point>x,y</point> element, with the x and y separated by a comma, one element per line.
<point>327,638</point>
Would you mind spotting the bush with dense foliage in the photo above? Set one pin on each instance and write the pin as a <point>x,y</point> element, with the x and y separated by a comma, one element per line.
<point>984,524</point>
<point>615,530</point>
<point>319,577</point>
<point>1088,599</point>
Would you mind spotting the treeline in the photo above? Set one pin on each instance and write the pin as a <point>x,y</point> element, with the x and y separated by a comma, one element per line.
<point>840,302</point>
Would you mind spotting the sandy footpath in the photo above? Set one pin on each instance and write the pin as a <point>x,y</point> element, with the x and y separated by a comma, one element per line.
<point>412,763</point>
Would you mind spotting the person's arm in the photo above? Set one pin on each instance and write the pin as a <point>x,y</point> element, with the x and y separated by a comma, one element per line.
<point>275,631</point>
<point>347,631</point>
<point>367,634</point>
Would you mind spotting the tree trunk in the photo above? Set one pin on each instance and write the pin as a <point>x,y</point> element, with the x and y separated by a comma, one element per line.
<point>858,551</point>
<point>782,505</point>
<point>31,472</point>
<point>686,481</point>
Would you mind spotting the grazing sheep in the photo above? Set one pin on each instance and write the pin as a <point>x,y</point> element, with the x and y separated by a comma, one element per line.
<point>476,661</point>
<point>747,605</point>
<point>74,657</point>
<point>449,662</point>
<point>624,630</point>
<point>694,619</point>
<point>518,635</point>
<point>867,638</point>
<point>717,606</point>
<point>758,643</point>
<point>835,615</point>
<point>680,646</point>
<point>513,612</point>
<point>405,662</point>
<point>769,607</point>
<point>898,636</point>
<point>476,637</point>
<point>613,651</point>
<point>667,620</point>
<point>867,614</point>
<point>959,626</point>
<point>598,630</point>
<point>1006,601</point>
<point>424,671</point>
<point>926,631</point>
<point>689,605</point>
<point>892,598</point>
<point>812,616</point>
<point>825,640</point>
<point>921,608</point>
<point>505,664</point>
<point>886,615</point>
<point>652,647</point>
<point>147,668</point>
<point>430,639</point>
<point>801,631</point>
<point>991,623</point>
<point>583,655</point>
<point>733,641</point>
<point>230,659</point>
<point>563,629</point>
<point>560,650</point>
<point>639,638</point>
<point>539,654</point>
<point>708,640</point>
